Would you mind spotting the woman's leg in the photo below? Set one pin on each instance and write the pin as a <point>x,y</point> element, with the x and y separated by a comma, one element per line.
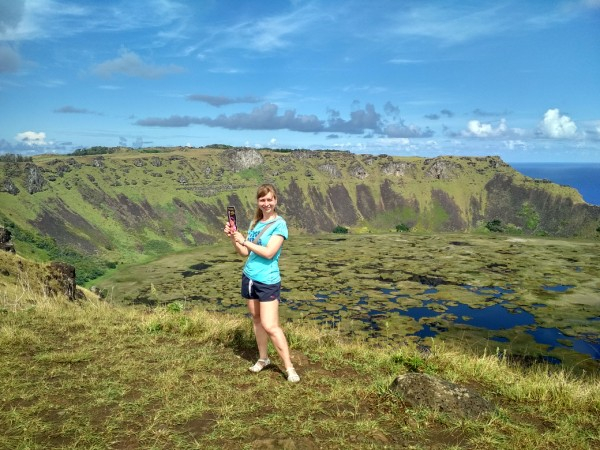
<point>262,338</point>
<point>269,319</point>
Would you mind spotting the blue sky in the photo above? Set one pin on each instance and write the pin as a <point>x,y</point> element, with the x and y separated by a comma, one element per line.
<point>519,79</point>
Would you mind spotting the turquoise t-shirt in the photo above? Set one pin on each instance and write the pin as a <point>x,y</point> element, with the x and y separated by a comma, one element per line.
<point>262,269</point>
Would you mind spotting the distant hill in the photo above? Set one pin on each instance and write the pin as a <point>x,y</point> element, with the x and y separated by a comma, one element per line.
<point>123,205</point>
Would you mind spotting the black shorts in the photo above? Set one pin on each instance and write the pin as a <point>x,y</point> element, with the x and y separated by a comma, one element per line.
<point>260,291</point>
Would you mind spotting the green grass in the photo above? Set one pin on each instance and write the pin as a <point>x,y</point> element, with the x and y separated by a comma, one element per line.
<point>96,375</point>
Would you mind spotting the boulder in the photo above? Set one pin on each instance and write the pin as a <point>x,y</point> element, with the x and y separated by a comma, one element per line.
<point>330,169</point>
<point>423,390</point>
<point>98,162</point>
<point>8,247</point>
<point>62,169</point>
<point>9,186</point>
<point>441,169</point>
<point>5,237</point>
<point>35,182</point>
<point>358,171</point>
<point>399,169</point>
<point>238,159</point>
<point>61,279</point>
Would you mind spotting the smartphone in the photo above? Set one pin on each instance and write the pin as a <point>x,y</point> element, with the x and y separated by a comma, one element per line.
<point>231,218</point>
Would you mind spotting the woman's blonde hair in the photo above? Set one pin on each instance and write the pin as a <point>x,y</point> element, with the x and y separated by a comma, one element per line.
<point>262,190</point>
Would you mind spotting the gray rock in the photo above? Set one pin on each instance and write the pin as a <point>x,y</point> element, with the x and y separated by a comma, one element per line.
<point>5,240</point>
<point>420,389</point>
<point>35,182</point>
<point>441,169</point>
<point>5,235</point>
<point>61,279</point>
<point>9,186</point>
<point>73,162</point>
<point>398,169</point>
<point>238,159</point>
<point>98,162</point>
<point>62,169</point>
<point>330,169</point>
<point>358,171</point>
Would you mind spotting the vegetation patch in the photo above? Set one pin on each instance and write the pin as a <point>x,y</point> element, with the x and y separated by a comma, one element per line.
<point>481,292</point>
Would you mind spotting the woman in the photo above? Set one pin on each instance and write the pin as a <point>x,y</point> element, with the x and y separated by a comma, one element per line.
<point>261,279</point>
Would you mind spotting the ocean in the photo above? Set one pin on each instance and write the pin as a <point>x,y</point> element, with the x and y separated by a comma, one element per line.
<point>583,177</point>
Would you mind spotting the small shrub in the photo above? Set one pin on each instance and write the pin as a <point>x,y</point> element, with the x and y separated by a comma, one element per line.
<point>530,215</point>
<point>154,327</point>
<point>402,228</point>
<point>175,307</point>
<point>495,226</point>
<point>414,363</point>
<point>340,230</point>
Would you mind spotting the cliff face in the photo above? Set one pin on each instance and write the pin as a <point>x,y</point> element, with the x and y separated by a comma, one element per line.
<point>131,203</point>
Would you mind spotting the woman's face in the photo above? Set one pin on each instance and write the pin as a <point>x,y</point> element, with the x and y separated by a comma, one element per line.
<point>267,203</point>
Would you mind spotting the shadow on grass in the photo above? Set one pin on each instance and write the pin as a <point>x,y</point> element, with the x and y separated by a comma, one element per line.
<point>243,344</point>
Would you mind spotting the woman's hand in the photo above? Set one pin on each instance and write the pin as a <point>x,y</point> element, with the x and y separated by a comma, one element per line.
<point>238,238</point>
<point>229,229</point>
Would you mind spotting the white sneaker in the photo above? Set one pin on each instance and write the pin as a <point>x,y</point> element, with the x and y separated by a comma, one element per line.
<point>260,365</point>
<point>292,375</point>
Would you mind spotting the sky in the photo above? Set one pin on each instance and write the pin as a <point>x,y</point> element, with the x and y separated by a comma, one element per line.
<point>518,79</point>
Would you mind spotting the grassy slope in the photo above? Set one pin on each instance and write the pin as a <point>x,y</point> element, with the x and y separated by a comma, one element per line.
<point>95,375</point>
<point>212,182</point>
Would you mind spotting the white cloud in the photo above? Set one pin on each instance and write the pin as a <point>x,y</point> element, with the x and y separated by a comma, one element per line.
<point>557,126</point>
<point>515,145</point>
<point>40,19</point>
<point>451,24</point>
<point>32,137</point>
<point>479,129</point>
<point>269,33</point>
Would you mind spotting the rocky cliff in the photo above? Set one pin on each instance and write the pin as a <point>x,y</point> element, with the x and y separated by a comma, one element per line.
<point>130,203</point>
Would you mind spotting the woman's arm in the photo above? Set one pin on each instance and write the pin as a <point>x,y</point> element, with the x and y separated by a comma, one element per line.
<point>240,247</point>
<point>268,251</point>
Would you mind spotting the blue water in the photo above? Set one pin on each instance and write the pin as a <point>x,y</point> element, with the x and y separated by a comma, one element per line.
<point>583,177</point>
<point>558,288</point>
<point>552,337</point>
<point>495,317</point>
<point>500,314</point>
